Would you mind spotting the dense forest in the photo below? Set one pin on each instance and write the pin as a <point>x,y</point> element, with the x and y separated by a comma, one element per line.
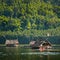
<point>29,18</point>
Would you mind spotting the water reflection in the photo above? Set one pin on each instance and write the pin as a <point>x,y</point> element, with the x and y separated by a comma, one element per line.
<point>18,53</point>
<point>41,53</point>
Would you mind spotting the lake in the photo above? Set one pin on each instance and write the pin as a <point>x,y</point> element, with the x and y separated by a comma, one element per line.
<point>23,53</point>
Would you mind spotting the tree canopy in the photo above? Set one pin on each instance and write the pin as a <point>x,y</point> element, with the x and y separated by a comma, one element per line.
<point>28,15</point>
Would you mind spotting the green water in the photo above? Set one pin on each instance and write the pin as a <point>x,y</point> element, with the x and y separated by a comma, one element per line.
<point>21,53</point>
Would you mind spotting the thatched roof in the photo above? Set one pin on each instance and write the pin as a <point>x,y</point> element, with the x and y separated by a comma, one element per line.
<point>40,42</point>
<point>11,41</point>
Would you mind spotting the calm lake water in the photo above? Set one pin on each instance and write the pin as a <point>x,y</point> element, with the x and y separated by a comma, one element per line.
<point>23,53</point>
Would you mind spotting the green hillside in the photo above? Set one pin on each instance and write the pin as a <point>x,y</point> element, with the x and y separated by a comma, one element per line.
<point>29,17</point>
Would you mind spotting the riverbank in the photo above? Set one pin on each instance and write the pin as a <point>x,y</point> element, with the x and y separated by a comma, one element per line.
<point>28,45</point>
<point>55,47</point>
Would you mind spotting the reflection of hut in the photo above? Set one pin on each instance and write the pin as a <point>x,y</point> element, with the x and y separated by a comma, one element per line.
<point>40,44</point>
<point>11,43</point>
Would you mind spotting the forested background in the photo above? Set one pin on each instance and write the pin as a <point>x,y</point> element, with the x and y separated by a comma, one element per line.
<point>29,19</point>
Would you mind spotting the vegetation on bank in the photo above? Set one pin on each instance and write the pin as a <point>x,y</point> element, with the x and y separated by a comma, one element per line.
<point>26,36</point>
<point>28,18</point>
<point>33,33</point>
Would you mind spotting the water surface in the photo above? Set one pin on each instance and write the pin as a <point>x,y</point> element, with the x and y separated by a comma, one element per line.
<point>21,53</point>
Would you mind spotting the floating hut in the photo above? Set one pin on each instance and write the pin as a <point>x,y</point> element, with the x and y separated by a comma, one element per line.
<point>42,45</point>
<point>12,43</point>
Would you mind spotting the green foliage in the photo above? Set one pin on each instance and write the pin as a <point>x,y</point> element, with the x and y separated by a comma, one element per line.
<point>7,24</point>
<point>36,16</point>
